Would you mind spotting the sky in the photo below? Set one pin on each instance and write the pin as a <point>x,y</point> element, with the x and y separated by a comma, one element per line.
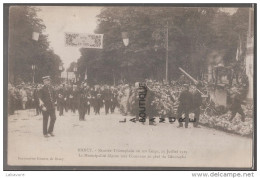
<point>61,19</point>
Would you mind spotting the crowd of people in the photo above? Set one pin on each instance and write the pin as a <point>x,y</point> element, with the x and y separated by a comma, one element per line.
<point>67,98</point>
<point>83,97</point>
<point>177,99</point>
<point>165,100</point>
<point>23,96</point>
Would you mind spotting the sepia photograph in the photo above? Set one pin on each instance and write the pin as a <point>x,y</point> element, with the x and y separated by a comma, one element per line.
<point>130,87</point>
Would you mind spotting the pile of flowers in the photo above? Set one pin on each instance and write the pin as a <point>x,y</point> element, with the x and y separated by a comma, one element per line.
<point>222,122</point>
<point>165,103</point>
<point>165,99</point>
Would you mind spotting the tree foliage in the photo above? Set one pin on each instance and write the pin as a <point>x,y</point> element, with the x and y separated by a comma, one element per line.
<point>23,51</point>
<point>193,33</point>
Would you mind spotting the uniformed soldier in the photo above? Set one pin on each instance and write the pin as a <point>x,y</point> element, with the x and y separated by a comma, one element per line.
<point>82,103</point>
<point>47,103</point>
<point>184,106</point>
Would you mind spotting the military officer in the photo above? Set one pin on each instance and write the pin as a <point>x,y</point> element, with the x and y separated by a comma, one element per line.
<point>47,103</point>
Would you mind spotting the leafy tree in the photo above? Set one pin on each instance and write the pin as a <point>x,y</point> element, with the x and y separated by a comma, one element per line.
<point>193,33</point>
<point>23,51</point>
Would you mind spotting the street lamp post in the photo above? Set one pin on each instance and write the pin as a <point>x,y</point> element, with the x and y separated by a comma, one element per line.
<point>33,72</point>
<point>35,37</point>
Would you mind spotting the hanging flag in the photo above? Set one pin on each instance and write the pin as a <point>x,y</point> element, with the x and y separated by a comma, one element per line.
<point>84,40</point>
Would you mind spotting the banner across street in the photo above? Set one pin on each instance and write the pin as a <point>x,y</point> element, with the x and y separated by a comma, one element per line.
<point>84,40</point>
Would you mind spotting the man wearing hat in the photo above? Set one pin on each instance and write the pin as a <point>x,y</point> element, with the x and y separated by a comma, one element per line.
<point>73,98</point>
<point>82,103</point>
<point>107,96</point>
<point>184,106</point>
<point>47,100</point>
<point>114,99</point>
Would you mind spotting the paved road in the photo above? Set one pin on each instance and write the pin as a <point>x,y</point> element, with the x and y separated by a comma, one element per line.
<point>103,140</point>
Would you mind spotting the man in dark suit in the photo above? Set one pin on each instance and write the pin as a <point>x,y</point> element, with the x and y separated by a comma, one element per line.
<point>113,100</point>
<point>74,98</point>
<point>195,105</point>
<point>184,106</point>
<point>60,100</point>
<point>47,100</point>
<point>82,102</point>
<point>107,98</point>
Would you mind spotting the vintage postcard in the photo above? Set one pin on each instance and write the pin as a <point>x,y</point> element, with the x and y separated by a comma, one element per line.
<point>130,86</point>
